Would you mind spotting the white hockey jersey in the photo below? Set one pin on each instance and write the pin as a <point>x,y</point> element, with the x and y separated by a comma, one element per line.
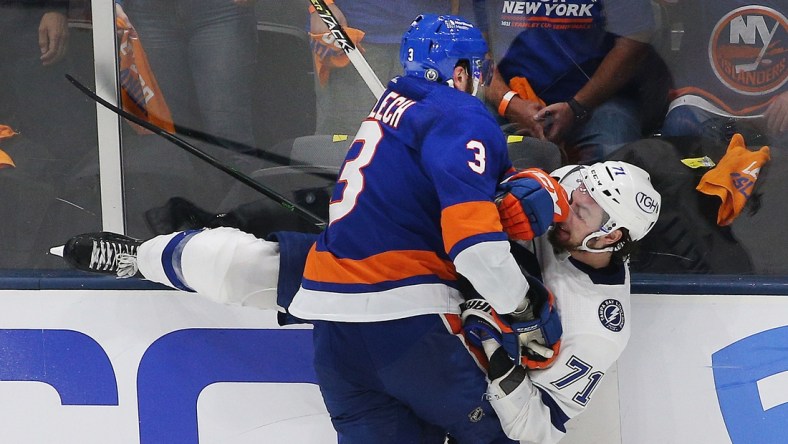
<point>594,305</point>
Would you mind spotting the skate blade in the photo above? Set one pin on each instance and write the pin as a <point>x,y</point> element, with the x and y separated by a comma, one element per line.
<point>57,251</point>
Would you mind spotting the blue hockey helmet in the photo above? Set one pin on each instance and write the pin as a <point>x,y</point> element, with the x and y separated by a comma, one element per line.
<point>434,44</point>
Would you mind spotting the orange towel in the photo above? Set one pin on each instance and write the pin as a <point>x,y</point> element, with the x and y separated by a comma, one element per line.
<point>5,160</point>
<point>6,131</point>
<point>733,179</point>
<point>139,91</point>
<point>522,87</point>
<point>327,53</point>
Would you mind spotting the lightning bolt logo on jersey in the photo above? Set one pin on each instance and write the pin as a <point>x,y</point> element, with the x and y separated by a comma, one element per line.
<point>416,189</point>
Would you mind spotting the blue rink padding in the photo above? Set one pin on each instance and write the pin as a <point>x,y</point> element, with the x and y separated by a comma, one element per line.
<point>70,280</point>
<point>709,284</point>
<point>641,283</point>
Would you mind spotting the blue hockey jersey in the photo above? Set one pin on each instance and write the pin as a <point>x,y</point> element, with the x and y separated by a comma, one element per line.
<point>412,208</point>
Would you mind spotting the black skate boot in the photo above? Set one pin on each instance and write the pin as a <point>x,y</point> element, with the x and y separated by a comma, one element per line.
<point>102,252</point>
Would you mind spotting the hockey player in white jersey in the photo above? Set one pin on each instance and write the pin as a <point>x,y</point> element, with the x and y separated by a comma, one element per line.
<point>581,259</point>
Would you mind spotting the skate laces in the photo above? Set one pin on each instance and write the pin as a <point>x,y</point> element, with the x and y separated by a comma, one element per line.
<point>114,256</point>
<point>127,265</point>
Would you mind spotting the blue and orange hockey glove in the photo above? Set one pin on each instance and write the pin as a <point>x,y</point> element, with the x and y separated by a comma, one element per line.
<point>529,202</point>
<point>531,338</point>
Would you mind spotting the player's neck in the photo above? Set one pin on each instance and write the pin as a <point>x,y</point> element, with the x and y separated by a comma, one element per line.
<point>594,260</point>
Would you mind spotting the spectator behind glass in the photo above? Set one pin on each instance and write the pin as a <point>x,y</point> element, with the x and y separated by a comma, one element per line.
<point>33,42</point>
<point>729,60</point>
<point>33,48</point>
<point>575,59</point>
<point>203,54</point>
<point>345,100</point>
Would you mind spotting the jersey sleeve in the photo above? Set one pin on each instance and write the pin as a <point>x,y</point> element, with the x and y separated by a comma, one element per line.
<point>465,163</point>
<point>464,155</point>
<point>539,408</point>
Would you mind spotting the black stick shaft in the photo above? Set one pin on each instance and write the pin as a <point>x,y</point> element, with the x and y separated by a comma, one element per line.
<point>248,150</point>
<point>241,177</point>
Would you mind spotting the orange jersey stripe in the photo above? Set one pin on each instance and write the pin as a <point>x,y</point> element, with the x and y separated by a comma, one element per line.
<point>322,266</point>
<point>464,220</point>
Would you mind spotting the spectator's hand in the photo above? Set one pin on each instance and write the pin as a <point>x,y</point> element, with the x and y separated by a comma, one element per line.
<point>120,13</point>
<point>316,25</point>
<point>557,119</point>
<point>52,37</point>
<point>777,115</point>
<point>522,112</point>
<point>328,54</point>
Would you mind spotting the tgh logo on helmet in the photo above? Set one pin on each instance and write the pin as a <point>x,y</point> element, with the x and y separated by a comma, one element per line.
<point>646,203</point>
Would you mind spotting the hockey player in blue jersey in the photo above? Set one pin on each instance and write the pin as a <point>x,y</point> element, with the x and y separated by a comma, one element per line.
<point>413,209</point>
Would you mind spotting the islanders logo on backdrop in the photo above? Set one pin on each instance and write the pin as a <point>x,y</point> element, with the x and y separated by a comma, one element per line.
<point>748,50</point>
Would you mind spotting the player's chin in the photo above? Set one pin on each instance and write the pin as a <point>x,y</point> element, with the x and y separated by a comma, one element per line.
<point>560,233</point>
<point>561,238</point>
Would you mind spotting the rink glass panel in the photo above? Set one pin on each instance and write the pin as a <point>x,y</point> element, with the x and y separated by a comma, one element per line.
<point>55,192</point>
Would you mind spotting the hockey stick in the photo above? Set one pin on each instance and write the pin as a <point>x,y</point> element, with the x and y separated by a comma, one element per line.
<point>749,67</point>
<point>246,180</point>
<point>245,149</point>
<point>347,45</point>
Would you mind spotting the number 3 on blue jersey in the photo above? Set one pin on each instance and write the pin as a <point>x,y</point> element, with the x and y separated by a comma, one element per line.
<point>369,136</point>
<point>479,163</point>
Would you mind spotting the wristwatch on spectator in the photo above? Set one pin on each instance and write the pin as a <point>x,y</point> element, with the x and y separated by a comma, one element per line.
<point>581,112</point>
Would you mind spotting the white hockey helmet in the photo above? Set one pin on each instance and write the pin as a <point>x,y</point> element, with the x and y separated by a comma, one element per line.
<point>622,190</point>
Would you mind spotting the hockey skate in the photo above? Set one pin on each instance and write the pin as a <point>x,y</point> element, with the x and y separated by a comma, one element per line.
<point>102,252</point>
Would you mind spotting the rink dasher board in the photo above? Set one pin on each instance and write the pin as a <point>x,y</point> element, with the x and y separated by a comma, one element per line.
<point>128,366</point>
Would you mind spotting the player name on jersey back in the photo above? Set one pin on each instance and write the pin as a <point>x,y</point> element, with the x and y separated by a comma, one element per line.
<point>390,109</point>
